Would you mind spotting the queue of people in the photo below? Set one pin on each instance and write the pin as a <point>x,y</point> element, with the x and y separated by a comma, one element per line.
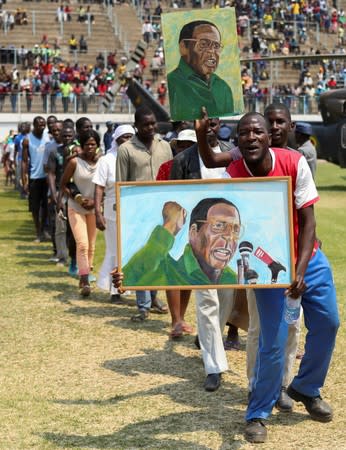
<point>70,187</point>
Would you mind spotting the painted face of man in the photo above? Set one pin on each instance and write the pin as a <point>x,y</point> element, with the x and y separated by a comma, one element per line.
<point>280,126</point>
<point>253,139</point>
<point>204,50</point>
<point>215,243</point>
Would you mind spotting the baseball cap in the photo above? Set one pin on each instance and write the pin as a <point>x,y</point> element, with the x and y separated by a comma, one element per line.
<point>304,128</point>
<point>109,123</point>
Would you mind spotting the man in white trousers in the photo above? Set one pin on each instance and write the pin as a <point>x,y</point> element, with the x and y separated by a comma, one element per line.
<point>213,306</point>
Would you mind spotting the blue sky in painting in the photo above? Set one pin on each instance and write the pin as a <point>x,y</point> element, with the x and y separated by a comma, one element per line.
<point>262,206</point>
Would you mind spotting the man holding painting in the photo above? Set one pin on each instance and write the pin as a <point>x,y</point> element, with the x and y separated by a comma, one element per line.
<point>313,281</point>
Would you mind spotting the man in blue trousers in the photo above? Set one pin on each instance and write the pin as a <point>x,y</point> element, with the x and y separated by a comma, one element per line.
<point>313,281</point>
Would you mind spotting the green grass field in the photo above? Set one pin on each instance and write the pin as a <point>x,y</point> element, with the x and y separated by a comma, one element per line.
<point>78,374</point>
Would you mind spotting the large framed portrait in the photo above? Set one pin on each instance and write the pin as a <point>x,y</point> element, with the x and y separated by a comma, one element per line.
<point>205,233</point>
<point>202,63</point>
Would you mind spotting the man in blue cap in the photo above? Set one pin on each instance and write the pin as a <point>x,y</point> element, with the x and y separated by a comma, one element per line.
<point>107,137</point>
<point>303,131</point>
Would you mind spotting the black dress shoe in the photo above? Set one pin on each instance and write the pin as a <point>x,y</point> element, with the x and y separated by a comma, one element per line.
<point>212,382</point>
<point>197,342</point>
<point>116,299</point>
<point>255,431</point>
<point>284,402</point>
<point>317,408</point>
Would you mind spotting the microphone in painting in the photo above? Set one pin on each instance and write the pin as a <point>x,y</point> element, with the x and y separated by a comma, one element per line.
<point>240,266</point>
<point>245,249</point>
<point>251,276</point>
<point>274,266</point>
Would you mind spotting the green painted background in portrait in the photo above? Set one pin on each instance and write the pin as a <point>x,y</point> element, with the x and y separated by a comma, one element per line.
<point>229,64</point>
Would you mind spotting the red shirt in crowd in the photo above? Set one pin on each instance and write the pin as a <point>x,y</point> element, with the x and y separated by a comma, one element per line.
<point>164,171</point>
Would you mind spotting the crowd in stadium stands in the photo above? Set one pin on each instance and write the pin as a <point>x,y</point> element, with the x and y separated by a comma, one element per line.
<point>64,14</point>
<point>272,28</point>
<point>54,79</point>
<point>266,27</point>
<point>45,74</point>
<point>9,19</point>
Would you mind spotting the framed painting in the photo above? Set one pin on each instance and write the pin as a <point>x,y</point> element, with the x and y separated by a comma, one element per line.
<point>202,63</point>
<point>205,233</point>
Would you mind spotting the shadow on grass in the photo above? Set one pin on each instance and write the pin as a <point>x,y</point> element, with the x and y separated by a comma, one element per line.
<point>187,391</point>
<point>25,232</point>
<point>123,314</point>
<point>68,293</point>
<point>49,274</point>
<point>18,210</point>
<point>333,188</point>
<point>97,311</point>
<point>18,237</point>
<point>153,433</point>
<point>35,247</point>
<point>42,262</point>
<point>149,434</point>
<point>208,416</point>
<point>167,362</point>
<point>36,255</point>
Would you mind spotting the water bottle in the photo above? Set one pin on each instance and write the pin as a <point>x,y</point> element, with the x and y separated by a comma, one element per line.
<point>292,309</point>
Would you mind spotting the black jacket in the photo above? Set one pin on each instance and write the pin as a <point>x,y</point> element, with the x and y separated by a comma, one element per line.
<point>186,164</point>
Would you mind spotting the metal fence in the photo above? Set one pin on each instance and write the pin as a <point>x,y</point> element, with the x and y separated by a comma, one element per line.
<point>35,23</point>
<point>20,102</point>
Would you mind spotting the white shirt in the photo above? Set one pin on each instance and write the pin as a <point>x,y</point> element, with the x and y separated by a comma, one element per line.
<point>105,176</point>
<point>209,174</point>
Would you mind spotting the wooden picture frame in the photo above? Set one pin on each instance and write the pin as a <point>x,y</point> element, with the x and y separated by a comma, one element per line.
<point>240,234</point>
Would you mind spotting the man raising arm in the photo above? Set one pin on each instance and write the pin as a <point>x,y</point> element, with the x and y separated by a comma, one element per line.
<point>313,282</point>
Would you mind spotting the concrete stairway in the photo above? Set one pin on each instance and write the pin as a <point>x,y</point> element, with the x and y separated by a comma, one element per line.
<point>102,37</point>
<point>130,31</point>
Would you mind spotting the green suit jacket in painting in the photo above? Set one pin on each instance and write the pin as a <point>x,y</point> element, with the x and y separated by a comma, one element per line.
<point>188,92</point>
<point>153,266</point>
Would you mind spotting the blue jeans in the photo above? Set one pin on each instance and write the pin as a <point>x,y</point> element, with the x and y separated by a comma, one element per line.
<point>144,299</point>
<point>322,322</point>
